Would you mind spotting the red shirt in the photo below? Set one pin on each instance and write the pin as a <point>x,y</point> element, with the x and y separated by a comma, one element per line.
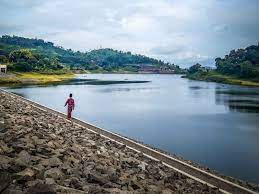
<point>71,103</point>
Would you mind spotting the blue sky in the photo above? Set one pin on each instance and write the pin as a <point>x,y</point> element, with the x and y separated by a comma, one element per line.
<point>178,31</point>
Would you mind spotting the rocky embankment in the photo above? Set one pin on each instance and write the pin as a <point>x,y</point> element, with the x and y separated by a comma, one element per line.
<point>43,153</point>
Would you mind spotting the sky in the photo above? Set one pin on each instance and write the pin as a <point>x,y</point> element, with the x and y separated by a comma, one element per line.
<point>182,32</point>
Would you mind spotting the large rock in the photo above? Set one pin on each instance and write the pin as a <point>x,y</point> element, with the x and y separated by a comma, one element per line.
<point>50,181</point>
<point>54,173</point>
<point>13,191</point>
<point>4,148</point>
<point>68,190</point>
<point>97,179</point>
<point>75,183</point>
<point>41,189</point>
<point>34,182</point>
<point>27,174</point>
<point>3,127</point>
<point>95,189</point>
<point>154,189</point>
<point>116,191</point>
<point>142,166</point>
<point>52,162</point>
<point>72,160</point>
<point>134,185</point>
<point>131,162</point>
<point>5,180</point>
<point>23,159</point>
<point>5,162</point>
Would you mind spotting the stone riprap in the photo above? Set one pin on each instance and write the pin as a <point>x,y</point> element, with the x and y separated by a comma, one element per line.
<point>43,153</point>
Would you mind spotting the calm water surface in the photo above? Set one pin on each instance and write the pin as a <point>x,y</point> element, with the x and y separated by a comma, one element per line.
<point>213,124</point>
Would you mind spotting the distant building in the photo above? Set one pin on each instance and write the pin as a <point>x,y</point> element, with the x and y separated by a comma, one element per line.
<point>155,69</point>
<point>149,69</point>
<point>3,68</point>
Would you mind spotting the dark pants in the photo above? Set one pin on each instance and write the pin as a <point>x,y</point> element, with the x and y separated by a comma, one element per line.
<point>69,112</point>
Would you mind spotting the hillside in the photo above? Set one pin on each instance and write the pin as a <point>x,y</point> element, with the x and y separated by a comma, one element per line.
<point>24,54</point>
<point>240,66</point>
<point>242,63</point>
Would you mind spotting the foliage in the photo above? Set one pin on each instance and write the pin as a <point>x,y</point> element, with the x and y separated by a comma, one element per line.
<point>195,68</point>
<point>26,60</point>
<point>9,80</point>
<point>38,55</point>
<point>242,63</point>
<point>213,76</point>
<point>239,67</point>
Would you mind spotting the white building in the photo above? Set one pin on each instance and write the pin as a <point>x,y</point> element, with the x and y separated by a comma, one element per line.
<point>3,69</point>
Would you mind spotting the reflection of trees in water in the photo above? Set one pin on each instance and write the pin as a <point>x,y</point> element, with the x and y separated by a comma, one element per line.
<point>239,100</point>
<point>146,89</point>
<point>198,91</point>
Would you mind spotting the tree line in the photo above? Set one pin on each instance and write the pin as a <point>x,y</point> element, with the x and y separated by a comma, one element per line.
<point>25,54</point>
<point>240,63</point>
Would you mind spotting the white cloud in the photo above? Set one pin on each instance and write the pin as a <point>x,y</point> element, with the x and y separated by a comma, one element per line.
<point>139,23</point>
<point>183,32</point>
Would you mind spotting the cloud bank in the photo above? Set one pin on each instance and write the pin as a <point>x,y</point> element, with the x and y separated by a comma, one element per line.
<point>180,32</point>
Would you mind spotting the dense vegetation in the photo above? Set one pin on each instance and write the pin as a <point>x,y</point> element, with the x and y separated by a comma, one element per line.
<point>242,63</point>
<point>24,54</point>
<point>237,67</point>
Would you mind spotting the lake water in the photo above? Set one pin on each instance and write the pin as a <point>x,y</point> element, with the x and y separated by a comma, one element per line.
<point>213,124</point>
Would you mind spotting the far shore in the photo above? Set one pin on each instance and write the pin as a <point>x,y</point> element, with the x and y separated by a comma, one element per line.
<point>42,78</point>
<point>218,78</point>
<point>17,78</point>
<point>34,78</point>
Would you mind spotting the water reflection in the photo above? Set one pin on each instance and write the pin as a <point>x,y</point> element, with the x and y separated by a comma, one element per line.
<point>127,89</point>
<point>197,90</point>
<point>80,81</point>
<point>197,87</point>
<point>241,100</point>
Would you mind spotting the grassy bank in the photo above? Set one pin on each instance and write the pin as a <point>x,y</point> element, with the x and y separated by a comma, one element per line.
<point>34,78</point>
<point>213,76</point>
<point>45,78</point>
<point>9,80</point>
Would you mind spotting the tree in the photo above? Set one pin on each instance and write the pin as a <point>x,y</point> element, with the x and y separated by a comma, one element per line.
<point>195,68</point>
<point>247,70</point>
<point>35,51</point>
<point>3,59</point>
<point>242,63</point>
<point>21,54</point>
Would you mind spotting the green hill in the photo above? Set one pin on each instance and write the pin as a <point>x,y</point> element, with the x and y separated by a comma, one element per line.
<point>242,63</point>
<point>25,55</point>
<point>240,66</point>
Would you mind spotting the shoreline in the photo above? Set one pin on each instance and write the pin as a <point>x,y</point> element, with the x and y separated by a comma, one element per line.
<point>221,79</point>
<point>51,152</point>
<point>130,151</point>
<point>32,78</point>
<point>35,78</point>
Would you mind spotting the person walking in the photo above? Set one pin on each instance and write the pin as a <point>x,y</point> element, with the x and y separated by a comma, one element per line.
<point>70,103</point>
